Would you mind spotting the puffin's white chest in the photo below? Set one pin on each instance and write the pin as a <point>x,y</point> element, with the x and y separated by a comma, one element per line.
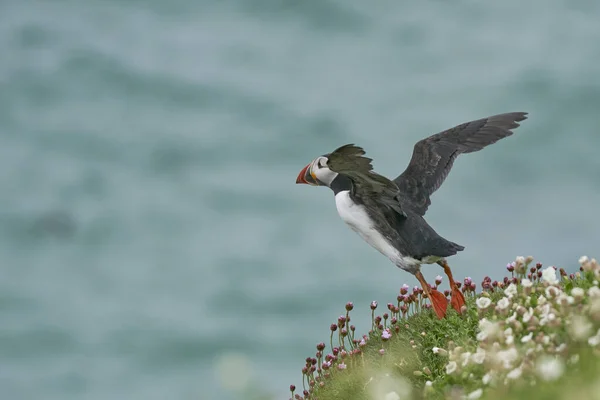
<point>359,221</point>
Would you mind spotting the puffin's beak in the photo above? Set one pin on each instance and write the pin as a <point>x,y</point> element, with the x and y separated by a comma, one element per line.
<point>305,176</point>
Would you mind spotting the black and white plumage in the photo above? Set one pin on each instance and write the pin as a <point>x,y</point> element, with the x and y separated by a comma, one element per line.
<point>388,214</point>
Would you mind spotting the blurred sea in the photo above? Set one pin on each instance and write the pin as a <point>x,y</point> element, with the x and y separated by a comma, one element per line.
<point>153,243</point>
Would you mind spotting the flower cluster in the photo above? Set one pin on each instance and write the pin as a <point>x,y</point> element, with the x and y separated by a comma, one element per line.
<point>347,348</point>
<point>529,325</point>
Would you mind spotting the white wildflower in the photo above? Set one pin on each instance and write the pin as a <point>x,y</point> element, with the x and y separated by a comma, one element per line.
<point>594,291</point>
<point>507,357</point>
<point>479,356</point>
<point>475,394</point>
<point>487,329</point>
<point>578,293</point>
<point>508,336</point>
<point>483,303</point>
<point>550,368</point>
<point>565,300</point>
<point>546,314</point>
<point>527,286</point>
<point>546,340</point>
<point>561,347</point>
<point>583,259</point>
<point>527,338</point>
<point>527,316</point>
<point>440,351</point>
<point>514,374</point>
<point>574,359</point>
<point>511,290</point>
<point>520,260</point>
<point>451,367</point>
<point>541,300</point>
<point>341,366</point>
<point>594,340</point>
<point>539,348</point>
<point>392,396</point>
<point>594,308</point>
<point>552,292</point>
<point>465,358</point>
<point>487,378</point>
<point>580,328</point>
<point>503,303</point>
<point>529,352</point>
<point>429,384</point>
<point>385,386</point>
<point>549,275</point>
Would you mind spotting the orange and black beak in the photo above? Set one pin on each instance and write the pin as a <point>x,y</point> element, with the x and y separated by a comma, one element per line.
<point>307,177</point>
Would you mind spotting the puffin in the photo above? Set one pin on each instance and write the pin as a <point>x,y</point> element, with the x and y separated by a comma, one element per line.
<point>388,214</point>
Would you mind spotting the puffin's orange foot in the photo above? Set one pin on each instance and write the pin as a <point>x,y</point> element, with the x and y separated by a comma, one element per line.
<point>439,303</point>
<point>457,300</point>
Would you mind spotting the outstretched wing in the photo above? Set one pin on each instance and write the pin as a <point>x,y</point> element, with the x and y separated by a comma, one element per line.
<point>433,157</point>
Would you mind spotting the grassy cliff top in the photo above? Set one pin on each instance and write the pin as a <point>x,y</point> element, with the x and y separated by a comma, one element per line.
<point>533,334</point>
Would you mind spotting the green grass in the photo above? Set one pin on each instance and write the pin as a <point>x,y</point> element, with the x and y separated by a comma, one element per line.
<point>407,354</point>
<point>538,343</point>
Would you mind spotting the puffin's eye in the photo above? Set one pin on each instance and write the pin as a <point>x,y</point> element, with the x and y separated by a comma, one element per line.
<point>321,164</point>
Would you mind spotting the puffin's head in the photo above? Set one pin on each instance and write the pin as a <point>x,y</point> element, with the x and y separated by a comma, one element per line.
<point>346,160</point>
<point>317,173</point>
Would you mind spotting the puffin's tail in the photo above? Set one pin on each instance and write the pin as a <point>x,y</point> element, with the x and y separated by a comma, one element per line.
<point>449,248</point>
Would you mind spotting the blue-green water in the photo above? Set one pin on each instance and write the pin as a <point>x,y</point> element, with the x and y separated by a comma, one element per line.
<point>153,244</point>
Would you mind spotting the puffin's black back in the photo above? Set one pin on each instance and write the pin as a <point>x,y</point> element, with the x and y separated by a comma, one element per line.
<point>409,233</point>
